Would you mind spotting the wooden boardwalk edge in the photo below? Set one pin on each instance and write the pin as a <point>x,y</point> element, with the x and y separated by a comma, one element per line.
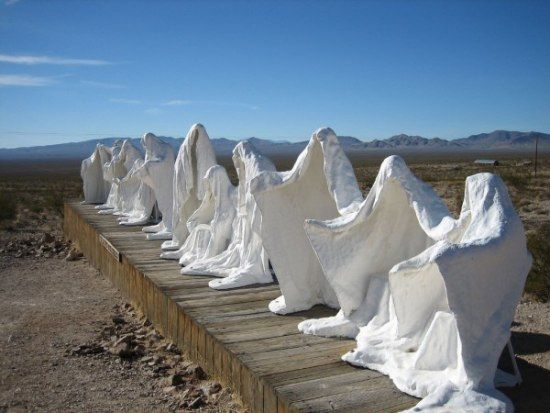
<point>231,334</point>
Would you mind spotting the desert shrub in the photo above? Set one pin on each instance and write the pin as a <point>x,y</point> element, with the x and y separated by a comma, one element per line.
<point>517,180</point>
<point>538,280</point>
<point>8,206</point>
<point>54,202</point>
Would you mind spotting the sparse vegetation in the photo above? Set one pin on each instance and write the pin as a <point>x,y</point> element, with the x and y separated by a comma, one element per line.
<point>538,281</point>
<point>8,206</point>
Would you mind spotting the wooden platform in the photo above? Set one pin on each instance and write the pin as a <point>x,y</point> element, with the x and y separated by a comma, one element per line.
<point>232,334</point>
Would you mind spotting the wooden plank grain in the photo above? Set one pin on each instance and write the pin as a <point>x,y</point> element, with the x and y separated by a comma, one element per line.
<point>232,333</point>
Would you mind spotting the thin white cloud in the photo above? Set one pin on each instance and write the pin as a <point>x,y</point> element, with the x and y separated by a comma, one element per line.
<point>153,111</point>
<point>102,85</point>
<point>125,101</point>
<point>10,2</point>
<point>25,80</point>
<point>50,60</point>
<point>177,102</point>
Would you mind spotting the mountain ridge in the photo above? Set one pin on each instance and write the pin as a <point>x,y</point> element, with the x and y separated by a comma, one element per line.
<point>498,139</point>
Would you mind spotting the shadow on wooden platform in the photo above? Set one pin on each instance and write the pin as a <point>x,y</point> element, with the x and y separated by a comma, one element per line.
<point>232,334</point>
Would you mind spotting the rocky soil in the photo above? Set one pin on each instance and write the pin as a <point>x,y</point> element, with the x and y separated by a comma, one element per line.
<point>69,343</point>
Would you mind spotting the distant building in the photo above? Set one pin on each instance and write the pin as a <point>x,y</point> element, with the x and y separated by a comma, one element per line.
<point>491,162</point>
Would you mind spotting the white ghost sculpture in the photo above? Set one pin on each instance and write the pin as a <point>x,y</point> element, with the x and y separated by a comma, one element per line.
<point>195,156</point>
<point>210,226</point>
<point>158,173</point>
<point>431,297</point>
<point>245,261</point>
<point>137,198</point>
<point>95,188</point>
<point>321,185</point>
<point>108,176</point>
<point>124,156</point>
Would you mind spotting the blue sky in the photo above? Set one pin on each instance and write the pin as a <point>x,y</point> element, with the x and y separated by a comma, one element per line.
<point>75,70</point>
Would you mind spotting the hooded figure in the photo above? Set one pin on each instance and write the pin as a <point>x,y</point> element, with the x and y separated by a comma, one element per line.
<point>107,170</point>
<point>321,185</point>
<point>211,224</point>
<point>158,173</point>
<point>136,197</point>
<point>245,261</point>
<point>95,188</point>
<point>431,298</point>
<point>124,156</point>
<point>195,156</point>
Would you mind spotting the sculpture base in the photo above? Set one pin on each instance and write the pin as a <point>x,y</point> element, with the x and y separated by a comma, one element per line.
<point>232,333</point>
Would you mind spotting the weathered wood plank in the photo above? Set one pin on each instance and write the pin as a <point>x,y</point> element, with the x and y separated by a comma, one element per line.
<point>232,333</point>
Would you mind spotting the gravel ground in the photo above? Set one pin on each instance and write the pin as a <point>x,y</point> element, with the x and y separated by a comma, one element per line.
<point>69,343</point>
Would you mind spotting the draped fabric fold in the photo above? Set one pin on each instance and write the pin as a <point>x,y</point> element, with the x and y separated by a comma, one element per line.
<point>157,171</point>
<point>211,224</point>
<point>96,188</point>
<point>321,185</point>
<point>195,156</point>
<point>429,298</point>
<point>124,156</point>
<point>244,261</point>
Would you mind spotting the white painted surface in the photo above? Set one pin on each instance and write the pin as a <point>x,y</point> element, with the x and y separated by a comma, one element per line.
<point>432,298</point>
<point>321,185</point>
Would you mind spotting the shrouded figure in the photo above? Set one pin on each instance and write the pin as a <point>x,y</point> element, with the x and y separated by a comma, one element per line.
<point>210,226</point>
<point>158,172</point>
<point>244,261</point>
<point>195,156</point>
<point>95,188</point>
<point>429,298</point>
<point>124,156</point>
<point>321,185</point>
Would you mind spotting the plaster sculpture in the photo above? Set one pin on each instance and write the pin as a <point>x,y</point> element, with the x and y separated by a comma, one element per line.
<point>124,156</point>
<point>137,198</point>
<point>321,185</point>
<point>95,188</point>
<point>158,173</point>
<point>210,226</point>
<point>195,156</point>
<point>108,176</point>
<point>431,298</point>
<point>245,261</point>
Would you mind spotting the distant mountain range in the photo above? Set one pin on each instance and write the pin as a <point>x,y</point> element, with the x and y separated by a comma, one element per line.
<point>500,140</point>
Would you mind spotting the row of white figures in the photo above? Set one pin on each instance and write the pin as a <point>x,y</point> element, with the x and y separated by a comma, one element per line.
<point>428,298</point>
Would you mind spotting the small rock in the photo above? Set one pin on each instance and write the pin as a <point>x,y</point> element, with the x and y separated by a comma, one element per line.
<point>126,338</point>
<point>47,238</point>
<point>117,319</point>
<point>177,379</point>
<point>196,372</point>
<point>73,255</point>
<point>169,389</point>
<point>146,359</point>
<point>214,388</point>
<point>195,404</point>
<point>87,349</point>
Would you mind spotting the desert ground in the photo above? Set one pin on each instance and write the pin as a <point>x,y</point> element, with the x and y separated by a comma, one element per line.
<point>69,342</point>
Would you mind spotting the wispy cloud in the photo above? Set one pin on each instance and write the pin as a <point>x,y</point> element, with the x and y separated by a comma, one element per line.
<point>25,80</point>
<point>10,2</point>
<point>153,111</point>
<point>102,85</point>
<point>50,60</point>
<point>178,102</point>
<point>125,101</point>
<point>181,102</point>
